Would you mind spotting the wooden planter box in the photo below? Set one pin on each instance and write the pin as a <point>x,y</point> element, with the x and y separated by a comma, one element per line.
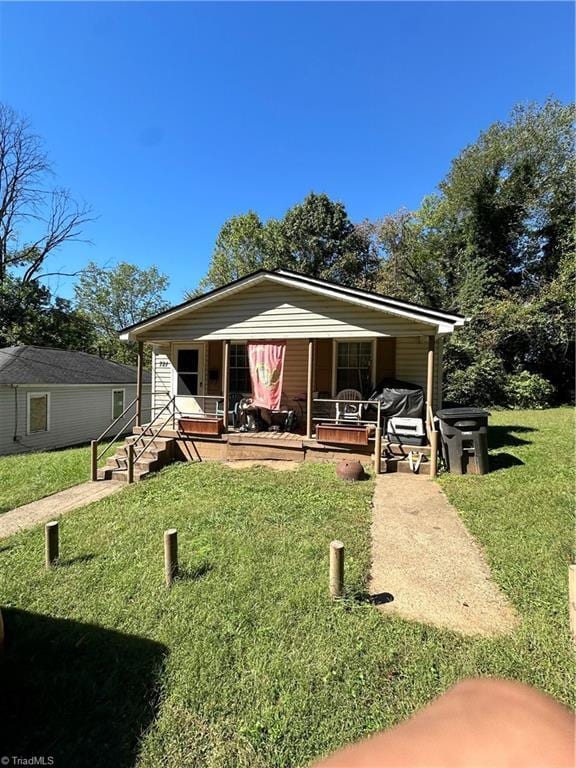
<point>343,434</point>
<point>201,425</point>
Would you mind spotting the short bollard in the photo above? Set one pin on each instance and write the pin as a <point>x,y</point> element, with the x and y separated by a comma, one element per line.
<point>51,542</point>
<point>170,555</point>
<point>336,569</point>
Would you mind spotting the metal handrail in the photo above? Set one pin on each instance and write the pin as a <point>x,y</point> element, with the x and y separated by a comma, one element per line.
<point>143,434</point>
<point>117,419</point>
<point>117,435</point>
<point>154,436</point>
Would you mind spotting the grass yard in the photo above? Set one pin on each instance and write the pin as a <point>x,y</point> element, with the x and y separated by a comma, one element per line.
<point>27,477</point>
<point>245,662</point>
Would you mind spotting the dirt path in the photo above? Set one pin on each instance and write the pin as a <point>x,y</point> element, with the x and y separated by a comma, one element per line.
<point>426,566</point>
<point>53,506</point>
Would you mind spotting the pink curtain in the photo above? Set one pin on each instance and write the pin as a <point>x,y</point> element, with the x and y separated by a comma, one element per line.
<point>266,360</point>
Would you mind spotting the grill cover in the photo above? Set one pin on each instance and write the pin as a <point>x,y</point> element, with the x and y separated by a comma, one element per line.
<point>399,398</point>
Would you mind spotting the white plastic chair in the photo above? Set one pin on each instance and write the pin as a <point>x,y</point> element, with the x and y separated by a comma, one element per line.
<point>348,411</point>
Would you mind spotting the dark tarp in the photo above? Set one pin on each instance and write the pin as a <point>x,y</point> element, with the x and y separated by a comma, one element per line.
<point>399,398</point>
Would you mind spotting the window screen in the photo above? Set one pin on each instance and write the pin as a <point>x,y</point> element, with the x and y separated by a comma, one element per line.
<point>38,414</point>
<point>188,371</point>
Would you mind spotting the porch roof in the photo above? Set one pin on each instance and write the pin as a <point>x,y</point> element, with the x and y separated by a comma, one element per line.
<point>425,319</point>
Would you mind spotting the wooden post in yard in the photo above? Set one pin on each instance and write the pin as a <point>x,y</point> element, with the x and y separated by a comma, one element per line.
<point>433,453</point>
<point>130,467</point>
<point>572,600</point>
<point>170,555</point>
<point>94,460</point>
<point>336,569</point>
<point>226,382</point>
<point>309,386</point>
<point>51,542</point>
<point>139,373</point>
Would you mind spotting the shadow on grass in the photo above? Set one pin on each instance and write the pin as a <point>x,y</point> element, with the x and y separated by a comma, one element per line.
<point>78,693</point>
<point>191,574</point>
<point>75,560</point>
<point>499,461</point>
<point>506,436</point>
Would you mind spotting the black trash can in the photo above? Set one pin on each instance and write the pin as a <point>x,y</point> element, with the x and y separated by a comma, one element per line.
<point>464,433</point>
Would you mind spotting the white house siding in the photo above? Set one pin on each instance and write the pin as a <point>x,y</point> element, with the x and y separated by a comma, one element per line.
<point>162,371</point>
<point>412,363</point>
<point>78,414</point>
<point>268,311</point>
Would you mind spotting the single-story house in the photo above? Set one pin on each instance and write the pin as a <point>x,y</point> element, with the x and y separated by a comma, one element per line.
<point>333,339</point>
<point>53,398</point>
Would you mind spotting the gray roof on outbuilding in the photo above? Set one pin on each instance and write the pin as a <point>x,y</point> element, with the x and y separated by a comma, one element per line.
<point>44,365</point>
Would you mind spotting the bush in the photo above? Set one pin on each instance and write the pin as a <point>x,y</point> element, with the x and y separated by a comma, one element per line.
<point>480,383</point>
<point>528,390</point>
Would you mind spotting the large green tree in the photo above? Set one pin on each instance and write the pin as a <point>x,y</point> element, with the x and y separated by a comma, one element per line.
<point>112,299</point>
<point>497,243</point>
<point>315,237</point>
<point>29,314</point>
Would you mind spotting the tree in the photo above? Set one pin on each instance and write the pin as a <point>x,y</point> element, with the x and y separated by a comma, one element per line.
<point>30,315</point>
<point>315,238</point>
<point>112,299</point>
<point>497,243</point>
<point>28,204</point>
<point>241,247</point>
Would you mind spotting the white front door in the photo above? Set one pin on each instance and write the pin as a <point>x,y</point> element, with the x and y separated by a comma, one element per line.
<point>189,377</point>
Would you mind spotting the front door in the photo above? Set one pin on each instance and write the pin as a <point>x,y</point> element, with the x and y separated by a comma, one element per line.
<point>189,373</point>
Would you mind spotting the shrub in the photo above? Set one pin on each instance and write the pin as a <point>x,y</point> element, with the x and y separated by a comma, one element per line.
<point>528,390</point>
<point>480,383</point>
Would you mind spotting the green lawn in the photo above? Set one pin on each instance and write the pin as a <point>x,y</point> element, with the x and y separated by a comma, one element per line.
<point>245,662</point>
<point>30,476</point>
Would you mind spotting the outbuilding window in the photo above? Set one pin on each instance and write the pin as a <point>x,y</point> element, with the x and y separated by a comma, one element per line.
<point>117,403</point>
<point>38,412</point>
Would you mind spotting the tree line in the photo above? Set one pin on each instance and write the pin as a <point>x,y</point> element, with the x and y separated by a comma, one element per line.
<point>495,242</point>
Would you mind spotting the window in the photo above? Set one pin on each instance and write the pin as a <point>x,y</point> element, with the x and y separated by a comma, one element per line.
<point>239,369</point>
<point>38,415</point>
<point>187,364</point>
<point>354,365</point>
<point>117,403</point>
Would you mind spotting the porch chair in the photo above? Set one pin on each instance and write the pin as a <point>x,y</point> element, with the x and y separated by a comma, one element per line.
<point>233,402</point>
<point>348,411</point>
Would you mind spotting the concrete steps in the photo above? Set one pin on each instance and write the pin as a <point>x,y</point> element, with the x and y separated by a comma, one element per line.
<point>158,454</point>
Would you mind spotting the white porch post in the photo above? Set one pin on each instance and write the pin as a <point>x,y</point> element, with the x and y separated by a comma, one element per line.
<point>432,434</point>
<point>309,387</point>
<point>139,372</point>
<point>226,382</point>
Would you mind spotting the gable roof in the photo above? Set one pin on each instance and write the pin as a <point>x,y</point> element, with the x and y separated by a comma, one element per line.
<point>444,321</point>
<point>44,365</point>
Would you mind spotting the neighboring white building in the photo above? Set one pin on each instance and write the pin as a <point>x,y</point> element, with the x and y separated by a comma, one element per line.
<point>54,398</point>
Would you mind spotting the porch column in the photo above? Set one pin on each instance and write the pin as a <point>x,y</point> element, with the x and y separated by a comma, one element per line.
<point>226,382</point>
<point>430,376</point>
<point>309,386</point>
<point>432,434</point>
<point>139,372</point>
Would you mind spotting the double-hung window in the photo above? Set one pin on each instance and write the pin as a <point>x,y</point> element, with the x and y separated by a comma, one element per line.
<point>354,365</point>
<point>239,370</point>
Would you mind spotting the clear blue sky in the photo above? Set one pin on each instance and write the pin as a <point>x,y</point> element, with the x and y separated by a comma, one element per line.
<point>168,118</point>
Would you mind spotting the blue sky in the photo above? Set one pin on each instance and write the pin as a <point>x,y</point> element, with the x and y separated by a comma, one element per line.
<point>168,118</point>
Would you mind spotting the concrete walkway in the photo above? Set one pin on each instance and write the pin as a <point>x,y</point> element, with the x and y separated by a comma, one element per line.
<point>426,566</point>
<point>53,506</point>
